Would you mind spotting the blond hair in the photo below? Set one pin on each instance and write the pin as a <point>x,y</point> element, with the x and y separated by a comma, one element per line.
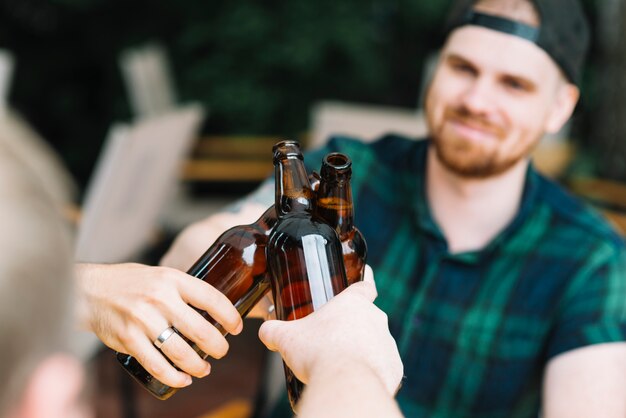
<point>35,276</point>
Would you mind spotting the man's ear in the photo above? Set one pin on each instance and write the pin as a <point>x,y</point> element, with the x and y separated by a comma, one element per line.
<point>563,107</point>
<point>53,390</point>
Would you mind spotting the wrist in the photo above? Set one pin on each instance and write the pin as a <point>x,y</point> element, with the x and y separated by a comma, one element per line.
<point>346,388</point>
<point>341,365</point>
<point>86,276</point>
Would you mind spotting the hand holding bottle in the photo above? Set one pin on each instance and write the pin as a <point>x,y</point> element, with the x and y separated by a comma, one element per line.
<point>349,329</point>
<point>128,305</point>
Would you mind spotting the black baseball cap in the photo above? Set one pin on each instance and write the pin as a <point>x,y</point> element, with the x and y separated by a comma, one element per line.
<point>563,31</point>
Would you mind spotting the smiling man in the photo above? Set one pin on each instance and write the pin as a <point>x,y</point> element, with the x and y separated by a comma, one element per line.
<point>507,297</point>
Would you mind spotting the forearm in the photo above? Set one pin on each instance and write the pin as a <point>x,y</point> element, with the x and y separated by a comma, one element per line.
<point>349,389</point>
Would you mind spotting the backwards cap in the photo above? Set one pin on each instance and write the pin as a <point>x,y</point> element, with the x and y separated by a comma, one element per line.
<point>563,31</point>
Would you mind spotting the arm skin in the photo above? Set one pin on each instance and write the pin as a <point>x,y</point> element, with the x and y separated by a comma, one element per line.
<point>350,389</point>
<point>344,353</point>
<point>586,382</point>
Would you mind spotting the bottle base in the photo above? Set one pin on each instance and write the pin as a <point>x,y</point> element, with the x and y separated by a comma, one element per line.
<point>294,388</point>
<point>152,385</point>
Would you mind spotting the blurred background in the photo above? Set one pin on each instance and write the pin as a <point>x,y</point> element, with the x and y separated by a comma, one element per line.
<point>260,66</point>
<point>262,71</point>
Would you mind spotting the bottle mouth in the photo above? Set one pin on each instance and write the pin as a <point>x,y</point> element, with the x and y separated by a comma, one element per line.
<point>336,164</point>
<point>286,149</point>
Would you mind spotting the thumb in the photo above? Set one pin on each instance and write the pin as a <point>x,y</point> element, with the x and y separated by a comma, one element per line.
<point>271,332</point>
<point>365,288</point>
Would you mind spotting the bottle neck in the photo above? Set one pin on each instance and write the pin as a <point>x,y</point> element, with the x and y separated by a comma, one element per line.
<point>293,189</point>
<point>334,205</point>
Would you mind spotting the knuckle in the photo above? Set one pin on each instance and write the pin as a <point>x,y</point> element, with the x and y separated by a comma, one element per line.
<point>177,354</point>
<point>382,317</point>
<point>156,368</point>
<point>193,319</point>
<point>166,279</point>
<point>126,339</point>
<point>216,347</point>
<point>138,313</point>
<point>157,297</point>
<point>211,296</point>
<point>162,273</point>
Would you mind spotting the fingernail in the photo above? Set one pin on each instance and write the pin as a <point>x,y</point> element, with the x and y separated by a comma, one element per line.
<point>239,328</point>
<point>188,381</point>
<point>207,371</point>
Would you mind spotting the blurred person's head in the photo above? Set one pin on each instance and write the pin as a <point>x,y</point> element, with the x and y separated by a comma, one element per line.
<point>38,377</point>
<point>506,76</point>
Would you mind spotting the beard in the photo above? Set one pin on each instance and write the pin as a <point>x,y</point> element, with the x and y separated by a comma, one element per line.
<point>476,159</point>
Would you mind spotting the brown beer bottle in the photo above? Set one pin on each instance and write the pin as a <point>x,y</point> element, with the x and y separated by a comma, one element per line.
<point>303,253</point>
<point>236,266</point>
<point>334,206</point>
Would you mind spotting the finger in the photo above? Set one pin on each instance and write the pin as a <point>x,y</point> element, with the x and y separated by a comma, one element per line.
<point>368,275</point>
<point>196,328</point>
<point>270,333</point>
<point>365,288</point>
<point>182,355</point>
<point>154,362</point>
<point>205,297</point>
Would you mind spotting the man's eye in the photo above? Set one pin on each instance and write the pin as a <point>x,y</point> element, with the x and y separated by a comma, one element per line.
<point>514,84</point>
<point>463,68</point>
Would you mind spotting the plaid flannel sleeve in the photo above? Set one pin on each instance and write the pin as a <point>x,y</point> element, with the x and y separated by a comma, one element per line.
<point>593,310</point>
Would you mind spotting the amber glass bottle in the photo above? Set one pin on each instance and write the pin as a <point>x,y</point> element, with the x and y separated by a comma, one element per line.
<point>236,266</point>
<point>303,253</point>
<point>334,206</point>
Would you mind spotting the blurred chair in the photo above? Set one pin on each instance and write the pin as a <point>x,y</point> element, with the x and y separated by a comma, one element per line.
<point>367,122</point>
<point>608,196</point>
<point>552,157</point>
<point>146,73</point>
<point>135,173</point>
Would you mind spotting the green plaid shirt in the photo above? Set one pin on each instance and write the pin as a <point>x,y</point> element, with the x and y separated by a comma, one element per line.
<point>476,329</point>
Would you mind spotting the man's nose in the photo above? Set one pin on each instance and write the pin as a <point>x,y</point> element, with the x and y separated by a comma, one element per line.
<point>479,96</point>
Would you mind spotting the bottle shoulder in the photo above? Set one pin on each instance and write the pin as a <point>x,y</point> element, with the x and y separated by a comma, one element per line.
<point>354,242</point>
<point>299,225</point>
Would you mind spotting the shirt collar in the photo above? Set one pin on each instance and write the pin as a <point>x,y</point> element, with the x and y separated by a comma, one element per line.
<point>426,222</point>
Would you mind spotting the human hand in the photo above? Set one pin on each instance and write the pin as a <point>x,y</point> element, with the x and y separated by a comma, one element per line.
<point>196,238</point>
<point>128,305</point>
<point>348,329</point>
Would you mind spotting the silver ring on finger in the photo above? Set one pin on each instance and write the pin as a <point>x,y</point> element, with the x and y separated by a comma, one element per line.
<point>163,336</point>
